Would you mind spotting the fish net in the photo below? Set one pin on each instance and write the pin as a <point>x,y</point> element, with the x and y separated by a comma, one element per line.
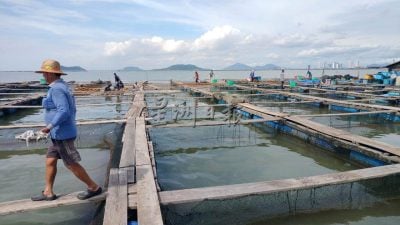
<point>96,135</point>
<point>261,207</point>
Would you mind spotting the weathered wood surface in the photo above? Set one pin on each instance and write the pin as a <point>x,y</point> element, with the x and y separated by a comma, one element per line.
<point>137,106</point>
<point>340,134</point>
<point>128,147</point>
<point>153,164</point>
<point>131,174</point>
<point>116,207</point>
<point>142,151</point>
<point>162,91</point>
<point>260,111</point>
<point>132,196</point>
<point>39,106</point>
<point>326,100</point>
<point>215,123</point>
<point>26,205</point>
<point>275,186</point>
<point>35,94</point>
<point>282,103</point>
<point>344,135</point>
<point>346,114</point>
<point>148,205</point>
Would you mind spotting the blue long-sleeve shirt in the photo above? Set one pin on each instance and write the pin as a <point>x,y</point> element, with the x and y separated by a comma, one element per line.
<point>60,111</point>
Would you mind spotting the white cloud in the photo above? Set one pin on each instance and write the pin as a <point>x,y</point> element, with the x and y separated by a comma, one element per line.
<point>216,36</point>
<point>272,56</point>
<point>116,48</point>
<point>169,45</point>
<point>210,40</point>
<point>154,33</point>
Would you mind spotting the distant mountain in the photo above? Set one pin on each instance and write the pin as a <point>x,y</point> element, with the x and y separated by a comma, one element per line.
<point>183,67</point>
<point>131,68</point>
<point>238,66</point>
<point>72,69</point>
<point>372,66</point>
<point>267,67</point>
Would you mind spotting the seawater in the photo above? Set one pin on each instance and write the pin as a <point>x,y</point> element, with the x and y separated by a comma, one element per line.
<point>165,75</point>
<point>22,167</point>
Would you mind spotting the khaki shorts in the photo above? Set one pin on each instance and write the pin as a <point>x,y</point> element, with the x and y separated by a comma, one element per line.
<point>65,150</point>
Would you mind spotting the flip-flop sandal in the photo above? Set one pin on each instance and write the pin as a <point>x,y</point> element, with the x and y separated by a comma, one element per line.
<point>43,197</point>
<point>88,194</point>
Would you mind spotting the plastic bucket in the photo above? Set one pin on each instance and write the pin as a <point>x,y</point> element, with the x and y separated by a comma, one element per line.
<point>43,81</point>
<point>292,83</point>
<point>368,77</point>
<point>214,81</point>
<point>230,82</point>
<point>387,81</point>
<point>398,81</point>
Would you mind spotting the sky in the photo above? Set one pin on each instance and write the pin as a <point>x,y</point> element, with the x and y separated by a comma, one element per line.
<point>149,34</point>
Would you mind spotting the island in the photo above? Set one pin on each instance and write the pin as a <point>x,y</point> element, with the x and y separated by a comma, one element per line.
<point>183,67</point>
<point>73,69</point>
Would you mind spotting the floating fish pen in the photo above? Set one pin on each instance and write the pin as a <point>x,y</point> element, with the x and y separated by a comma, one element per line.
<point>245,153</point>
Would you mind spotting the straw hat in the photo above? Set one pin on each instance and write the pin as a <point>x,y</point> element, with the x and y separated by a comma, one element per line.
<point>51,66</point>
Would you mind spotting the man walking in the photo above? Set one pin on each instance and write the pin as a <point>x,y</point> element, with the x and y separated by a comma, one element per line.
<point>60,114</point>
<point>282,78</point>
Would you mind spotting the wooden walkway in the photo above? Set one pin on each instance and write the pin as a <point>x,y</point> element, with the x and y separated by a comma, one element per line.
<point>134,180</point>
<point>274,186</point>
<point>365,145</point>
<point>329,131</point>
<point>328,101</point>
<point>10,107</point>
<point>134,184</point>
<point>26,205</point>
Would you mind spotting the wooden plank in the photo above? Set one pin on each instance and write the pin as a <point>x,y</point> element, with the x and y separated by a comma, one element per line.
<point>26,205</point>
<point>261,110</point>
<point>122,197</point>
<point>85,122</point>
<point>282,103</point>
<point>162,91</point>
<point>216,123</point>
<point>275,186</point>
<point>325,100</point>
<point>151,152</point>
<point>141,147</point>
<point>132,189</point>
<point>346,114</point>
<point>132,201</point>
<point>326,130</point>
<point>128,147</point>
<point>40,107</point>
<point>131,174</point>
<point>148,205</point>
<point>115,212</point>
<point>111,208</point>
<point>344,135</point>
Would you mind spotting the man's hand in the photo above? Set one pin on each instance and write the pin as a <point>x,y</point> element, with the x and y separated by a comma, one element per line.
<point>45,130</point>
